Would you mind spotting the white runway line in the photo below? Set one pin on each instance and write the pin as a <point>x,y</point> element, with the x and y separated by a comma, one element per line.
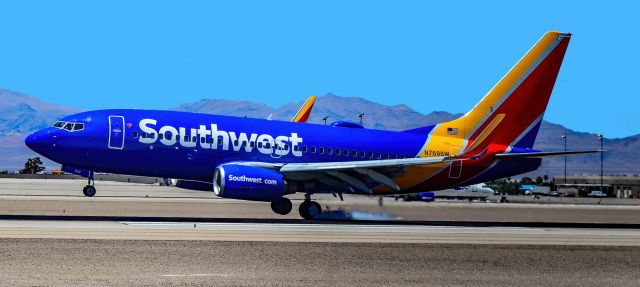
<point>195,275</point>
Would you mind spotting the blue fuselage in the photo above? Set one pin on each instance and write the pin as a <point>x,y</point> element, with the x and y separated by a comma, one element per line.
<point>192,153</point>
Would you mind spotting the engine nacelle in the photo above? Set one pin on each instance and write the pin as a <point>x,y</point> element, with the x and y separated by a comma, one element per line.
<point>248,183</point>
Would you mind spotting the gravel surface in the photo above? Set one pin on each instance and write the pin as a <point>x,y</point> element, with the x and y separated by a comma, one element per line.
<point>50,262</point>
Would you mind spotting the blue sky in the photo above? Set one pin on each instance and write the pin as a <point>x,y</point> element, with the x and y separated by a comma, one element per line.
<point>441,55</point>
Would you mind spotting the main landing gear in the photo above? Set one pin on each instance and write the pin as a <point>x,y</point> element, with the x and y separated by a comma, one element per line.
<point>89,190</point>
<point>309,209</point>
<point>281,206</point>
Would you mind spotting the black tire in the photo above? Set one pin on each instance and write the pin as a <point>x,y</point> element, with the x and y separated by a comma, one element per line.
<point>309,209</point>
<point>89,191</point>
<point>282,206</point>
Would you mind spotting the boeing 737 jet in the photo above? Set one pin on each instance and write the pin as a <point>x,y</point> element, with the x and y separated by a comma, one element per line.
<point>266,160</point>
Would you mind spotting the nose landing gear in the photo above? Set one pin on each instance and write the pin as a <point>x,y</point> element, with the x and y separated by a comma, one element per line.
<point>89,190</point>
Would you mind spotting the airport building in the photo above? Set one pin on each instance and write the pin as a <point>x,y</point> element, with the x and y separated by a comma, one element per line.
<point>612,186</point>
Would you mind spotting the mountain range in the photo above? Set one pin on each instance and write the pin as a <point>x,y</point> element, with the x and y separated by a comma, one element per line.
<point>21,114</point>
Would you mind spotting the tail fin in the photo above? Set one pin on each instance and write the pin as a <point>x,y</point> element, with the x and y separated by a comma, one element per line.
<point>511,112</point>
<point>305,111</point>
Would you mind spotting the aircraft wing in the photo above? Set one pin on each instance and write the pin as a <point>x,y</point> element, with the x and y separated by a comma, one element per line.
<point>351,176</point>
<point>341,165</point>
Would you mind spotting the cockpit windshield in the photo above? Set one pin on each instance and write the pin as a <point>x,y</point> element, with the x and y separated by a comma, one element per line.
<point>70,126</point>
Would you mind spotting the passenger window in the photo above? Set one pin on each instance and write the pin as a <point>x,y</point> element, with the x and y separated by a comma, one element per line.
<point>168,136</point>
<point>210,140</point>
<point>152,136</point>
<point>329,151</point>
<point>371,155</point>
<point>378,155</point>
<point>259,144</point>
<point>194,139</point>
<point>202,140</point>
<point>296,147</point>
<point>386,156</point>
<point>186,138</point>
<point>304,148</point>
<point>338,151</point>
<point>252,144</point>
<point>144,135</point>
<point>321,150</point>
<point>285,147</point>
<point>313,149</point>
<point>235,142</point>
<point>267,145</point>
<point>346,152</point>
<point>135,135</point>
<point>160,136</point>
<point>354,153</point>
<point>362,154</point>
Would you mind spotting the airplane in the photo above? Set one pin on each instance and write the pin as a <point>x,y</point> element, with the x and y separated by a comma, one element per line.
<point>267,160</point>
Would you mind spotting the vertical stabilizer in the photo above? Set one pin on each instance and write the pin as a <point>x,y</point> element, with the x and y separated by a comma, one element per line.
<point>511,112</point>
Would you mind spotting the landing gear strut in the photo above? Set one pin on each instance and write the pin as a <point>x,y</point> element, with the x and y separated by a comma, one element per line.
<point>89,190</point>
<point>309,209</point>
<point>281,206</point>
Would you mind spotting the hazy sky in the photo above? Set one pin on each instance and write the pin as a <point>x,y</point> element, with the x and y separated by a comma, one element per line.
<point>428,55</point>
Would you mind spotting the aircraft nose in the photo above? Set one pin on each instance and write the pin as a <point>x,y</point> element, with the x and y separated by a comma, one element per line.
<point>38,141</point>
<point>31,141</point>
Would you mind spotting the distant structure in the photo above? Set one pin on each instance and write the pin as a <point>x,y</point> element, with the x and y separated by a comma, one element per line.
<point>612,186</point>
<point>361,115</point>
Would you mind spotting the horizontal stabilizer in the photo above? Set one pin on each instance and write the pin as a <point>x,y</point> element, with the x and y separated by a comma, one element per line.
<point>545,154</point>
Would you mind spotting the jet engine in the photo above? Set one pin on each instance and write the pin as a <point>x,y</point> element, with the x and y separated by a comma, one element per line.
<point>248,183</point>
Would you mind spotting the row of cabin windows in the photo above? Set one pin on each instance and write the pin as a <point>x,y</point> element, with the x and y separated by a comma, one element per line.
<point>351,153</point>
<point>312,149</point>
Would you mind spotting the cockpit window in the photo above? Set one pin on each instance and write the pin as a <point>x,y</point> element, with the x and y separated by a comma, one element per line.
<point>70,126</point>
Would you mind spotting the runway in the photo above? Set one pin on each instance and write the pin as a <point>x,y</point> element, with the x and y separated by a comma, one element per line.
<point>195,239</point>
<point>54,209</point>
<point>60,197</point>
<point>327,233</point>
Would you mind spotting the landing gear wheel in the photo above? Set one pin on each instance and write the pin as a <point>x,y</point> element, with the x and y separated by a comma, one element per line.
<point>309,209</point>
<point>282,206</point>
<point>89,191</point>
